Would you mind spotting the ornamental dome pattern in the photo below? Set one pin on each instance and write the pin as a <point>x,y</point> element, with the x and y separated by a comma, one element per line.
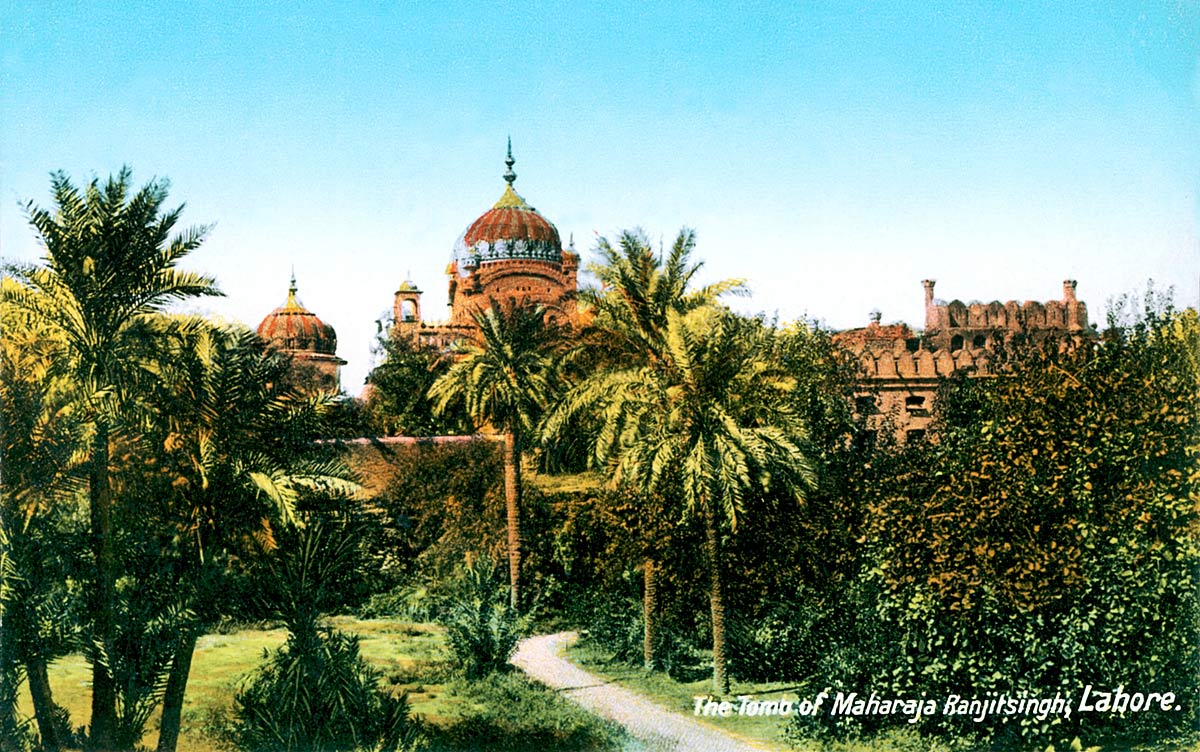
<point>511,229</point>
<point>294,328</point>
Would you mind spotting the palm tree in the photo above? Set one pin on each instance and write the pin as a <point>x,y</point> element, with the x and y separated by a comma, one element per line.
<point>628,328</point>
<point>239,445</point>
<point>711,418</point>
<point>40,442</point>
<point>110,267</point>
<point>638,288</point>
<point>505,376</point>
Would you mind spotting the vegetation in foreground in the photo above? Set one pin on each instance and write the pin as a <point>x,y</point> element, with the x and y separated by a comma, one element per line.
<point>504,711</point>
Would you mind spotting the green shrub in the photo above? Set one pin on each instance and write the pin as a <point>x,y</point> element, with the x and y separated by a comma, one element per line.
<point>510,713</point>
<point>481,629</point>
<point>317,694</point>
<point>1047,541</point>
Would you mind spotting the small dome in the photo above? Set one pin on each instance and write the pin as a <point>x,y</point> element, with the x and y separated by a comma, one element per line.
<point>512,229</point>
<point>294,328</point>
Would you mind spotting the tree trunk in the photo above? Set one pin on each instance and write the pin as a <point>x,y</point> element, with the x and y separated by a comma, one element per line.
<point>181,666</point>
<point>716,598</point>
<point>104,695</point>
<point>512,499</point>
<point>44,708</point>
<point>9,738</point>
<point>650,614</point>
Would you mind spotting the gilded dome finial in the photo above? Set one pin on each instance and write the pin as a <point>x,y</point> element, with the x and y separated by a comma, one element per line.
<point>291,299</point>
<point>509,175</point>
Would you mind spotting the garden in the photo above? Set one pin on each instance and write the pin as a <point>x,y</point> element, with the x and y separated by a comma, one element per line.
<point>199,554</point>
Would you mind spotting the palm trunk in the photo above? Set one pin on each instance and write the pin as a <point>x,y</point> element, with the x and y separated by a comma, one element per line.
<point>9,739</point>
<point>104,695</point>
<point>650,614</point>
<point>44,709</point>
<point>181,666</point>
<point>512,498</point>
<point>716,598</point>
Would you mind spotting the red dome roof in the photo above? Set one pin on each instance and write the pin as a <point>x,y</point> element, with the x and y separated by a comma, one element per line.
<point>294,328</point>
<point>511,229</point>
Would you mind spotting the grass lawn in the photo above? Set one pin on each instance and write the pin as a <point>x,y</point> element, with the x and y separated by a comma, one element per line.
<point>505,712</point>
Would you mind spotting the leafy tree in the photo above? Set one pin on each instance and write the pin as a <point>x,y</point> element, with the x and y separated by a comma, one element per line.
<point>399,401</point>
<point>110,267</point>
<point>41,439</point>
<point>1048,540</point>
<point>627,329</point>
<point>638,289</point>
<point>237,457</point>
<point>712,418</point>
<point>505,376</point>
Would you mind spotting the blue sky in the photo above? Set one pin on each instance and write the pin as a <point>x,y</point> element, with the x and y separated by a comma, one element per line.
<point>833,154</point>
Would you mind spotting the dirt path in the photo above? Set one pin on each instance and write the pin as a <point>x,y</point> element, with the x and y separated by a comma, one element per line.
<point>655,728</point>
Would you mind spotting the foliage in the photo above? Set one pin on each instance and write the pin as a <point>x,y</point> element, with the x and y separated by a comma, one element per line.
<point>317,694</point>
<point>140,657</point>
<point>505,376</point>
<point>109,271</point>
<point>110,268</point>
<point>511,713</point>
<point>42,440</point>
<point>637,289</point>
<point>710,421</point>
<point>398,401</point>
<point>481,628</point>
<point>1049,540</point>
<point>435,502</point>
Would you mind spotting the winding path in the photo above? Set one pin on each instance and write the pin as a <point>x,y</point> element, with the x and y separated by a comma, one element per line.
<point>654,727</point>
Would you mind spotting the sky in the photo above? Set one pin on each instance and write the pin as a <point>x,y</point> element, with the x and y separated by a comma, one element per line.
<point>832,154</point>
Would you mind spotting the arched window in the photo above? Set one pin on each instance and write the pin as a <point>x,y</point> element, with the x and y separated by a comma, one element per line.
<point>956,343</point>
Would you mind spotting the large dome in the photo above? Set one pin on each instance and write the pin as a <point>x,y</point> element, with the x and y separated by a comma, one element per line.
<point>512,229</point>
<point>294,328</point>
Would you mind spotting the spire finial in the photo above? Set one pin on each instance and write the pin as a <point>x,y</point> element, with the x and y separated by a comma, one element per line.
<point>291,299</point>
<point>509,175</point>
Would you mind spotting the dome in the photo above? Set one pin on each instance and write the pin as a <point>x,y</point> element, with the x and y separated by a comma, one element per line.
<point>293,327</point>
<point>511,229</point>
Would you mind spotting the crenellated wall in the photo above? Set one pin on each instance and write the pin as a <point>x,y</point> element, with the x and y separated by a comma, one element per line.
<point>988,324</point>
<point>902,369</point>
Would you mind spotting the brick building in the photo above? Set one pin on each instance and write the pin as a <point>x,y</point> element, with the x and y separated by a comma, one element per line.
<point>901,369</point>
<point>511,254</point>
<point>312,344</point>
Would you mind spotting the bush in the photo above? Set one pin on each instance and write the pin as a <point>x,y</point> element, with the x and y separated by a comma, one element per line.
<point>510,713</point>
<point>410,602</point>
<point>318,695</point>
<point>1047,541</point>
<point>481,629</point>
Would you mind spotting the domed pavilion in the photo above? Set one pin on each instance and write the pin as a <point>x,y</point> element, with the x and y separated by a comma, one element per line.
<point>312,344</point>
<point>511,254</point>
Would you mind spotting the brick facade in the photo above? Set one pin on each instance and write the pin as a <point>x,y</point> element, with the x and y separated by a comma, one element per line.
<point>901,369</point>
